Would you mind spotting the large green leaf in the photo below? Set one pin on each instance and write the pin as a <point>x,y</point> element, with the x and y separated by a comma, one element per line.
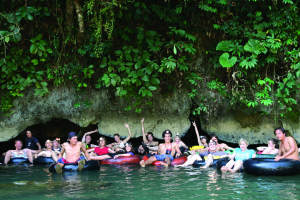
<point>225,45</point>
<point>255,46</point>
<point>225,61</point>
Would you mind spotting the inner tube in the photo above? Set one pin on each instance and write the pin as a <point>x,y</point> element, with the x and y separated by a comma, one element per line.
<point>201,163</point>
<point>177,161</point>
<point>196,147</point>
<point>222,162</point>
<point>89,165</point>
<point>229,151</point>
<point>18,160</point>
<point>265,156</point>
<point>121,160</point>
<point>43,160</point>
<point>269,167</point>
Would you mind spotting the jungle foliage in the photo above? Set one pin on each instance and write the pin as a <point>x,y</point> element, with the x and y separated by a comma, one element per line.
<point>139,48</point>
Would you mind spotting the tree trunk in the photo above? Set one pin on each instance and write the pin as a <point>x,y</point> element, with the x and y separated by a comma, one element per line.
<point>79,13</point>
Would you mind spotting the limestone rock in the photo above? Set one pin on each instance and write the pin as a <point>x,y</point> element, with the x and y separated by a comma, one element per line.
<point>170,112</point>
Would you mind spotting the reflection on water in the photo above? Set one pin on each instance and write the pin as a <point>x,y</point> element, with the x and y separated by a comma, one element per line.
<point>134,182</point>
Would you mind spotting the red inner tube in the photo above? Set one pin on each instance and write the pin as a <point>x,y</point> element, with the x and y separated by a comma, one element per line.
<point>121,160</point>
<point>176,161</point>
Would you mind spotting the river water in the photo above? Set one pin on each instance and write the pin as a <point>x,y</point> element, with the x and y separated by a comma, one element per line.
<point>133,182</point>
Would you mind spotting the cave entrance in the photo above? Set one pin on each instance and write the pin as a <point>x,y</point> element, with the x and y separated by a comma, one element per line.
<point>55,128</point>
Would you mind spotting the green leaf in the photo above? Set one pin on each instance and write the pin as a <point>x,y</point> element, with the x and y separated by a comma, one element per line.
<point>175,50</point>
<point>29,16</point>
<point>35,61</point>
<point>33,49</point>
<point>84,85</point>
<point>255,47</point>
<point>44,84</point>
<point>39,37</point>
<point>225,61</point>
<point>38,85</point>
<point>155,81</point>
<point>152,88</point>
<point>145,78</point>
<point>225,45</point>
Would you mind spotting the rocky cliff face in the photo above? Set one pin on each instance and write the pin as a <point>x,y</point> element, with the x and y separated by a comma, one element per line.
<point>107,111</point>
<point>231,125</point>
<point>167,112</point>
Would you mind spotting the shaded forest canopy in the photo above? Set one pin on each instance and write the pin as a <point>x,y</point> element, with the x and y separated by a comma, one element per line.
<point>249,51</point>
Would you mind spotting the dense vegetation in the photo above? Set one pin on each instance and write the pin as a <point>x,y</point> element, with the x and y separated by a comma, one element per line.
<point>139,48</point>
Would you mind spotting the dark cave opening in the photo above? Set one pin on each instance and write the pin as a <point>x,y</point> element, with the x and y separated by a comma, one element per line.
<point>59,128</point>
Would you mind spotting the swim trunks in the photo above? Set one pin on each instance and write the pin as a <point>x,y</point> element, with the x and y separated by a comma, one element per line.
<point>163,157</point>
<point>64,161</point>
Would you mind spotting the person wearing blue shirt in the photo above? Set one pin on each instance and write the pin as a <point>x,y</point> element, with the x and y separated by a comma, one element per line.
<point>32,143</point>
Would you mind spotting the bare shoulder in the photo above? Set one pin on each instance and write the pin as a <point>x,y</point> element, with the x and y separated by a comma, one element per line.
<point>162,144</point>
<point>175,144</point>
<point>65,144</point>
<point>290,139</point>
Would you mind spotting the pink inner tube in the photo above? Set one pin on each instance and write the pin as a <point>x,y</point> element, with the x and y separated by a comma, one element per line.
<point>176,161</point>
<point>121,160</point>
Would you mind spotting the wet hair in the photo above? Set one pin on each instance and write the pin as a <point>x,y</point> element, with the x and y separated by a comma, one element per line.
<point>214,135</point>
<point>48,141</point>
<point>243,140</point>
<point>18,141</point>
<point>273,140</point>
<point>103,139</point>
<point>166,132</point>
<point>281,129</point>
<point>149,133</point>
<point>117,134</point>
<point>212,141</point>
<point>131,147</point>
<point>202,136</point>
<point>177,135</point>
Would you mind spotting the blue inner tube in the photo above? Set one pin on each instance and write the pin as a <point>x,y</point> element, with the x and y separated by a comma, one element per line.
<point>43,160</point>
<point>18,160</point>
<point>265,156</point>
<point>201,163</point>
<point>269,167</point>
<point>222,162</point>
<point>89,165</point>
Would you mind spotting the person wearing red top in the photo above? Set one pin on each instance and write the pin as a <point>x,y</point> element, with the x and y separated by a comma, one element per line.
<point>101,152</point>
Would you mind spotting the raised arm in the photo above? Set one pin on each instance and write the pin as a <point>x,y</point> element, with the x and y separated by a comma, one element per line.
<point>88,133</point>
<point>128,138</point>
<point>197,133</point>
<point>143,131</point>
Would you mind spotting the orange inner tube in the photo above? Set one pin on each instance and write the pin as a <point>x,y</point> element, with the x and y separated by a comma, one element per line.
<point>176,161</point>
<point>121,160</point>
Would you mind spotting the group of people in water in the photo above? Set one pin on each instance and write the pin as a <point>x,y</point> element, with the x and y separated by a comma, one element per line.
<point>74,151</point>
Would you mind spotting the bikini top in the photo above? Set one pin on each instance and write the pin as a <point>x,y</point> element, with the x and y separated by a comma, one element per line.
<point>168,151</point>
